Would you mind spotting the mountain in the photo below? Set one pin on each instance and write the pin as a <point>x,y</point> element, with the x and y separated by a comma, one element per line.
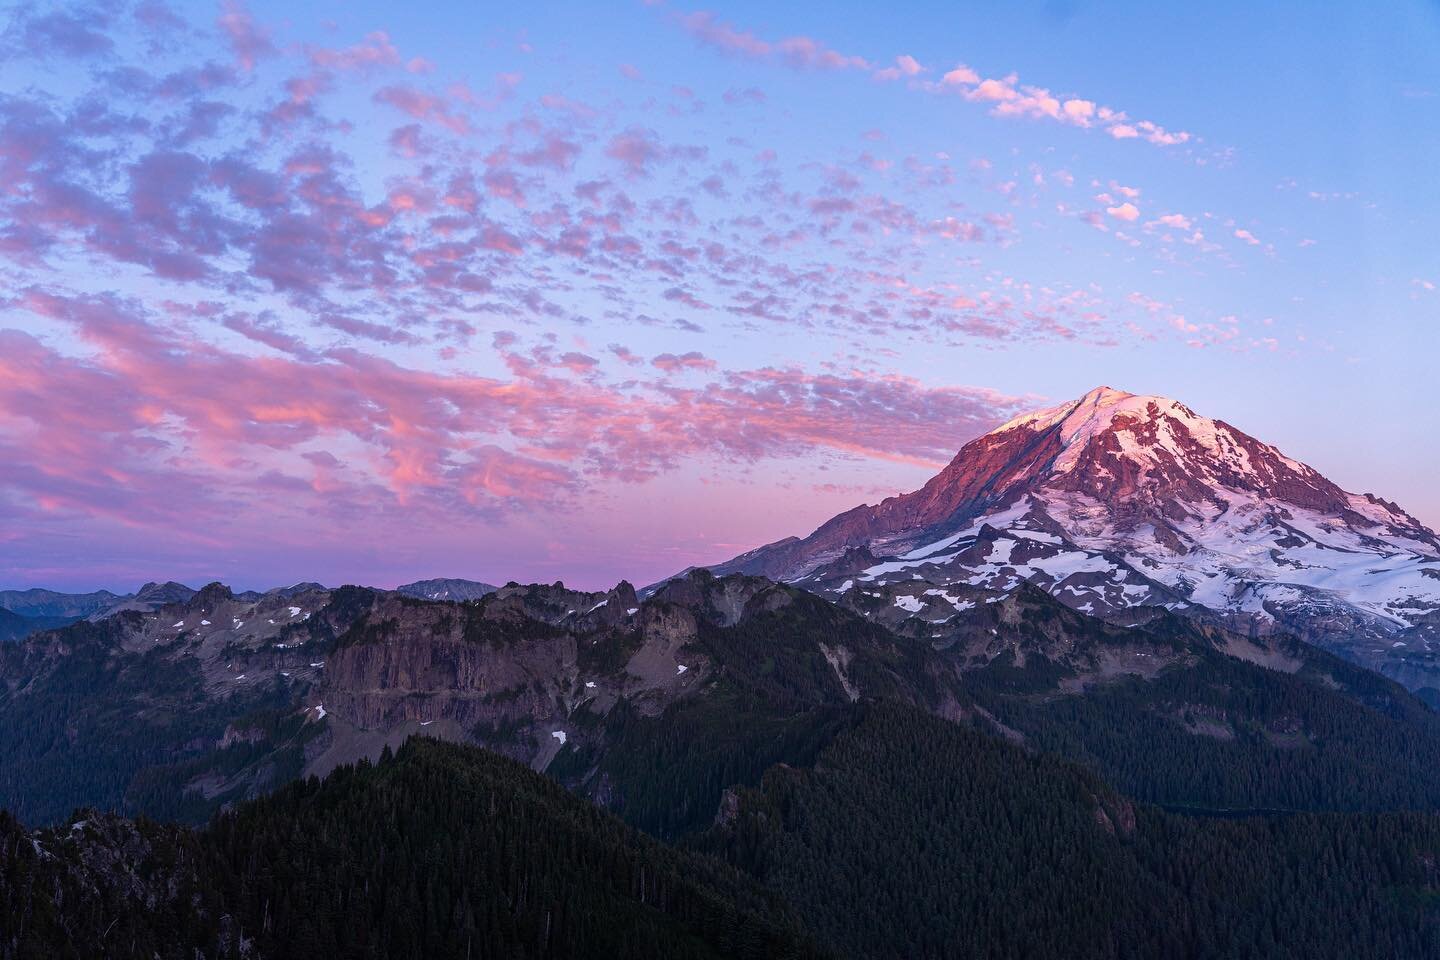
<point>1117,505</point>
<point>23,612</point>
<point>48,603</point>
<point>654,707</point>
<point>152,596</point>
<point>446,589</point>
<point>15,627</point>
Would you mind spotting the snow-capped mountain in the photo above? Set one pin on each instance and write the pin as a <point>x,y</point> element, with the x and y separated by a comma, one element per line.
<point>1117,504</point>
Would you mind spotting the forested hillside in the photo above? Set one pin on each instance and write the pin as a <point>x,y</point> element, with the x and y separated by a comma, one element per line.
<point>912,837</point>
<point>1218,732</point>
<point>902,836</point>
<point>442,851</point>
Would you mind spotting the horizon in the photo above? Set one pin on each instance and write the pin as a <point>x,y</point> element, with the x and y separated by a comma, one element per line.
<point>587,295</point>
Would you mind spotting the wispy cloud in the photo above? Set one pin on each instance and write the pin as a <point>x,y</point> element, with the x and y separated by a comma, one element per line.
<point>1006,95</point>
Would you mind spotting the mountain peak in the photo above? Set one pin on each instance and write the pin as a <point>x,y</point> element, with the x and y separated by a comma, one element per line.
<point>1104,395</point>
<point>1134,440</point>
<point>1096,407</point>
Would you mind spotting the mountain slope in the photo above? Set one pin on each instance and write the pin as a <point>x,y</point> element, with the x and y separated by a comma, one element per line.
<point>49,603</point>
<point>902,836</point>
<point>1171,711</point>
<point>910,837</point>
<point>159,712</point>
<point>1116,502</point>
<point>13,626</point>
<point>441,851</point>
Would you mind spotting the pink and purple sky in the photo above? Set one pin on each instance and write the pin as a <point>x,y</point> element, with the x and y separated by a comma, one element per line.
<point>352,292</point>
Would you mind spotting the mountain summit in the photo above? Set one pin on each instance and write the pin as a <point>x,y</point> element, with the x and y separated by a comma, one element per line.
<point>1115,502</point>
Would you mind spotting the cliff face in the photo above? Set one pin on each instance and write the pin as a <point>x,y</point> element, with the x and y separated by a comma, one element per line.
<point>432,662</point>
<point>525,671</point>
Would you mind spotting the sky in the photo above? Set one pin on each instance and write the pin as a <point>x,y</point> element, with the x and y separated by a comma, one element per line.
<point>358,293</point>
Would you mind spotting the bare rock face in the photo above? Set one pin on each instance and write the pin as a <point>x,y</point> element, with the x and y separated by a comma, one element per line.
<point>1116,504</point>
<point>423,662</point>
<point>526,669</point>
<point>723,602</point>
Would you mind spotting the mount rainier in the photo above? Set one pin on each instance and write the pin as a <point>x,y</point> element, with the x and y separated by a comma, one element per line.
<point>1117,505</point>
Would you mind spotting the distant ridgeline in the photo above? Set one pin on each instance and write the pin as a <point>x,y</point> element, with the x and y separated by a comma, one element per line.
<point>747,770</point>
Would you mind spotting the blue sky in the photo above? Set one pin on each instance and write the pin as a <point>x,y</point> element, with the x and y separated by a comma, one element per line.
<point>531,291</point>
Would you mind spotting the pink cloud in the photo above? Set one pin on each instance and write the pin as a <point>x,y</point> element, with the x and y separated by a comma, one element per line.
<point>626,355</point>
<point>694,360</point>
<point>638,149</point>
<point>423,106</point>
<point>1126,211</point>
<point>1008,96</point>
<point>706,28</point>
<point>961,76</point>
<point>799,52</point>
<point>249,41</point>
<point>406,140</point>
<point>905,66</point>
<point>191,424</point>
<point>375,50</point>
